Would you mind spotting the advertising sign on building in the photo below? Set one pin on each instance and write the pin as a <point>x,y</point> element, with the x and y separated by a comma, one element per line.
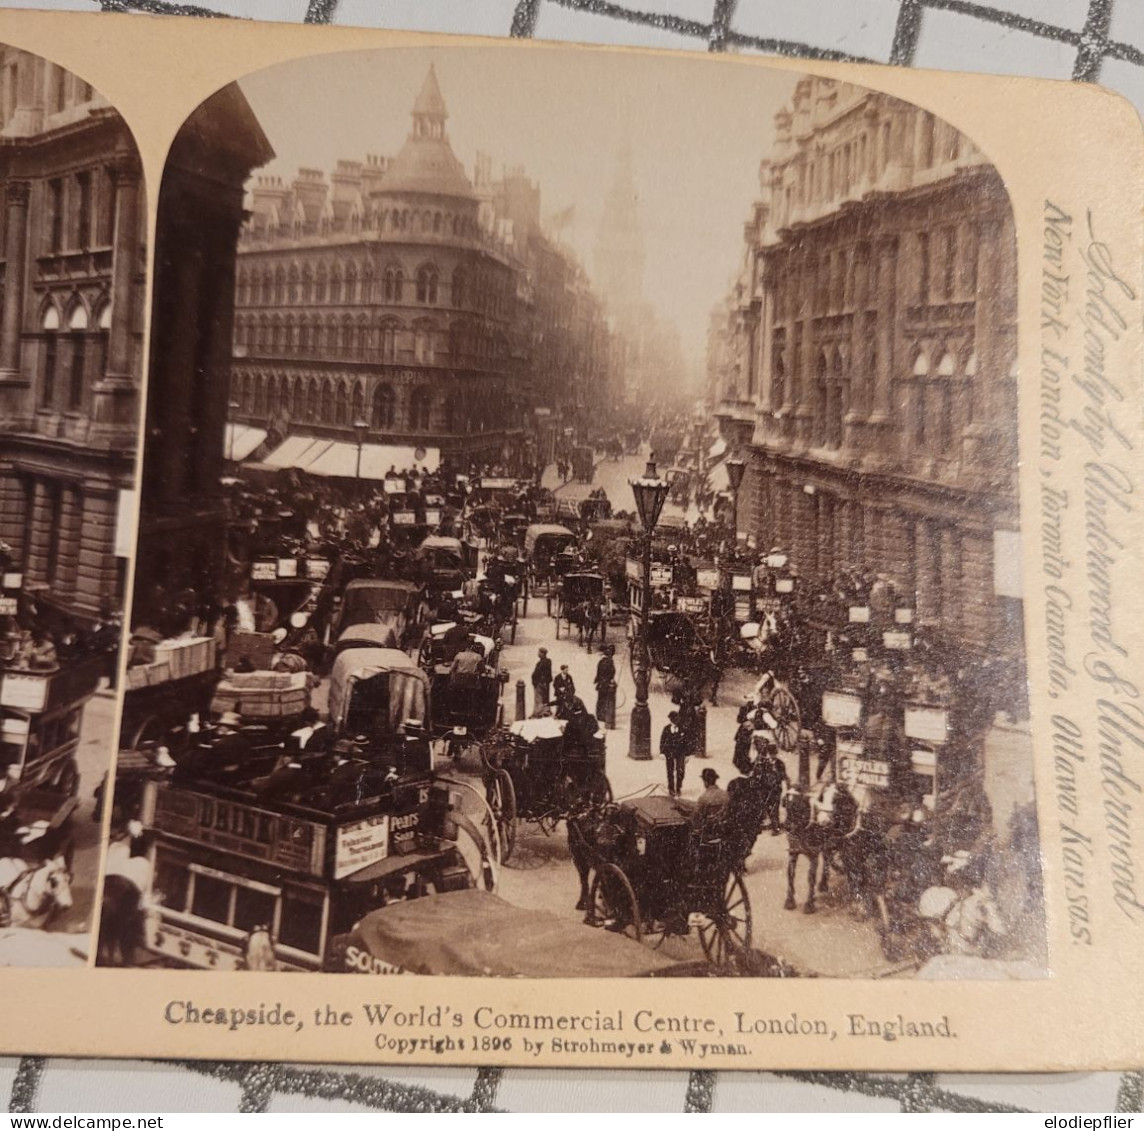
<point>927,724</point>
<point>841,709</point>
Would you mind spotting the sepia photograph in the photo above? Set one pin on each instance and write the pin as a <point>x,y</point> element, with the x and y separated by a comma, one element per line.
<point>579,533</point>
<point>71,342</point>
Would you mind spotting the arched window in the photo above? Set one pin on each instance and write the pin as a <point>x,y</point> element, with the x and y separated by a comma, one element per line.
<point>423,351</point>
<point>427,285</point>
<point>349,337</point>
<point>312,401</point>
<point>295,280</point>
<point>326,404</point>
<point>389,333</point>
<point>50,326</point>
<point>307,284</point>
<point>336,284</point>
<point>297,407</point>
<point>280,285</point>
<point>341,405</point>
<point>358,412</point>
<point>320,284</point>
<point>449,413</point>
<point>419,403</point>
<point>460,286</point>
<point>383,407</point>
<point>436,223</point>
<point>77,332</point>
<point>394,284</point>
<point>351,283</point>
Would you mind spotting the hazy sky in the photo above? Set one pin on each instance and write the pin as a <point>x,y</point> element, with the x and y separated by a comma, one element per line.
<point>697,130</point>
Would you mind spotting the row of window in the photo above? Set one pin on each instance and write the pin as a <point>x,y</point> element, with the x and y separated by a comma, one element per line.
<point>481,290</point>
<point>72,357</point>
<point>342,403</point>
<point>938,407</point>
<point>944,268</point>
<point>391,341</point>
<point>79,211</point>
<point>408,221</point>
<point>61,88</point>
<point>859,161</point>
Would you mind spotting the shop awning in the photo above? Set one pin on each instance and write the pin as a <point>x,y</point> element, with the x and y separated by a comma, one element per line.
<point>336,458</point>
<point>296,451</point>
<point>717,478</point>
<point>717,449</point>
<point>242,440</point>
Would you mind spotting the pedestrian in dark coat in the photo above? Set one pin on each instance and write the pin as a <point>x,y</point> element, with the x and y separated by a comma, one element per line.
<point>606,684</point>
<point>541,678</point>
<point>563,686</point>
<point>673,747</point>
<point>773,772</point>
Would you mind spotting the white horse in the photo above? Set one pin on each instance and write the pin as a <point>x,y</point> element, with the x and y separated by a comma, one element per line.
<point>32,892</point>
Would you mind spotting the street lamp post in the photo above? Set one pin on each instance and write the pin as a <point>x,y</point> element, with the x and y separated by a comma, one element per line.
<point>650,493</point>
<point>361,427</point>
<point>735,468</point>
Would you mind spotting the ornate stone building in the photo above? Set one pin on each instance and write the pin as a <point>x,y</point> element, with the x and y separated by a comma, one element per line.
<point>869,356</point>
<point>71,332</point>
<point>380,298</point>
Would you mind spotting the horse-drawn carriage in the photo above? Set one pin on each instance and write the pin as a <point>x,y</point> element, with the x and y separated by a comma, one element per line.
<point>466,706</point>
<point>679,480</point>
<point>379,603</point>
<point>582,603</point>
<point>909,720</point>
<point>543,770</point>
<point>445,564</point>
<point>648,870</point>
<point>584,463</point>
<point>544,554</point>
<point>254,841</point>
<point>682,648</point>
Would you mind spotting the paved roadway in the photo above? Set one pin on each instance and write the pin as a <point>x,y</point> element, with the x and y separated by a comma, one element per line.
<point>832,942</point>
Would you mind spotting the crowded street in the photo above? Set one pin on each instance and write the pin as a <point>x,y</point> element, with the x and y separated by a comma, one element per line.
<point>501,591</point>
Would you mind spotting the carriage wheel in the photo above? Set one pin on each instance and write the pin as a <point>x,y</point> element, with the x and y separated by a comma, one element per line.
<point>788,718</point>
<point>726,932</point>
<point>502,801</point>
<point>613,903</point>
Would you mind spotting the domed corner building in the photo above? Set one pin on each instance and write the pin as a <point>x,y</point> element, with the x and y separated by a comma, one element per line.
<point>375,307</point>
